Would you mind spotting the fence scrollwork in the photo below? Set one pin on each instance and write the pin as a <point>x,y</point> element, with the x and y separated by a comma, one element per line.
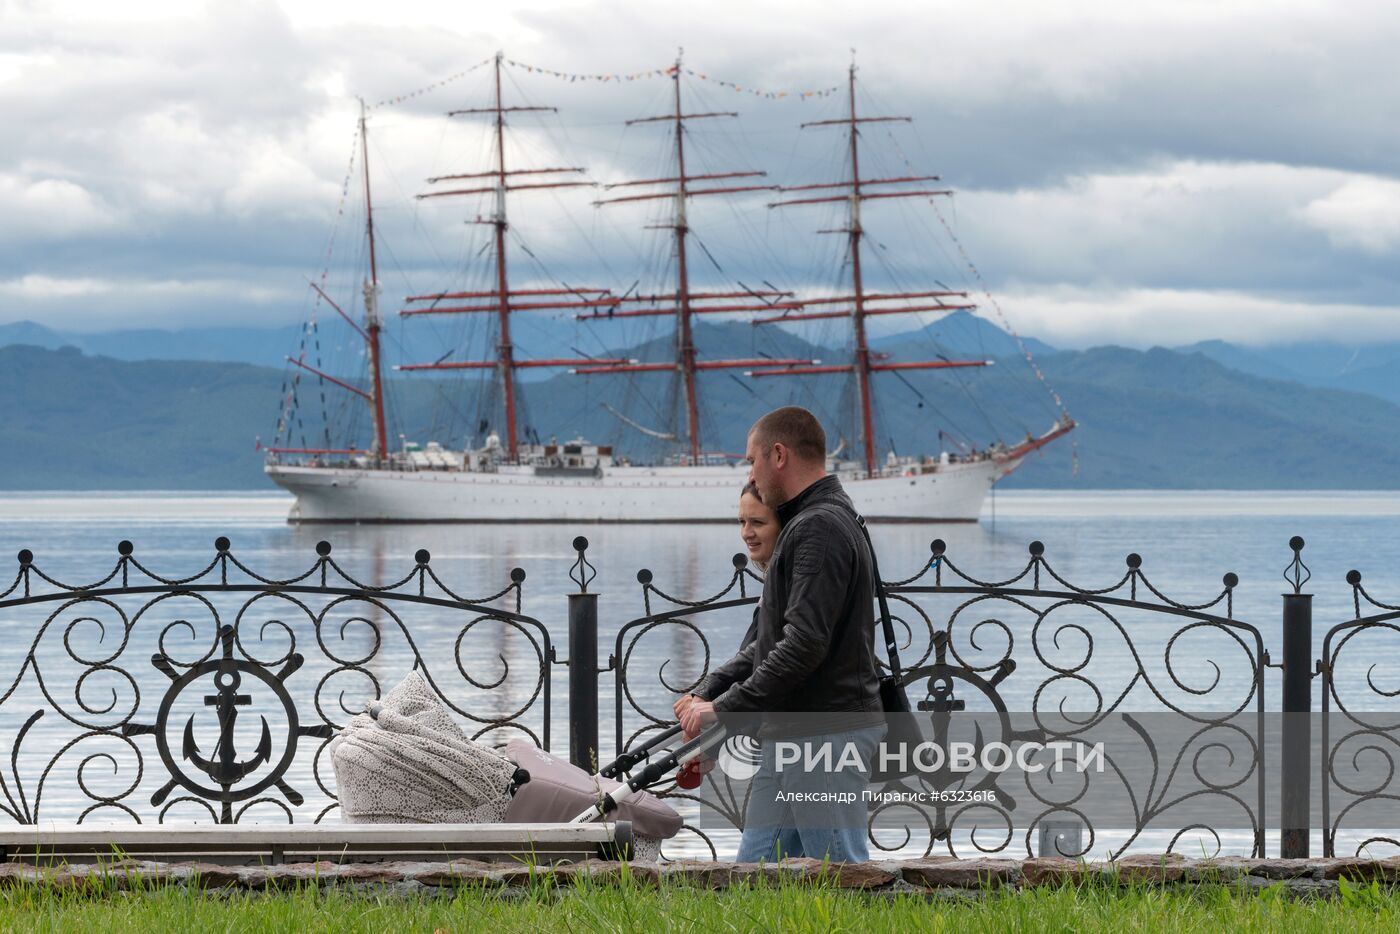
<point>1066,658</point>
<point>213,695</point>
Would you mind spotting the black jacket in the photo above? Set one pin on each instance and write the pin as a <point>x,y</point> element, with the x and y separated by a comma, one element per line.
<point>813,646</point>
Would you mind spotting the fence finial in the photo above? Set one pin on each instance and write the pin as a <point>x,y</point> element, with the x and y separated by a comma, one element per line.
<point>1297,573</point>
<point>582,573</point>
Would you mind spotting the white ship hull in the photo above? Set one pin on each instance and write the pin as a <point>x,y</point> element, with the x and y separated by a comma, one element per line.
<point>951,493</point>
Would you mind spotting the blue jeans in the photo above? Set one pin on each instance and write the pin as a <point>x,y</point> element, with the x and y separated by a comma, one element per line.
<point>775,825</point>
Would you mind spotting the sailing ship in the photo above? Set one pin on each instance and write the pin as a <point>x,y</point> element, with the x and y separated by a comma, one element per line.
<point>504,474</point>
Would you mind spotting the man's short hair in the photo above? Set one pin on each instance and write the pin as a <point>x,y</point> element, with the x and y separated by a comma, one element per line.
<point>796,429</point>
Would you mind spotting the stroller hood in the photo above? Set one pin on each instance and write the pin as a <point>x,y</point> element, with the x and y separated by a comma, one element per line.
<point>406,761</point>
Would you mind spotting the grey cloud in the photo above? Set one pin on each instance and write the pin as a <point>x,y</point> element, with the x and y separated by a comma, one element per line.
<point>1017,94</point>
<point>211,148</point>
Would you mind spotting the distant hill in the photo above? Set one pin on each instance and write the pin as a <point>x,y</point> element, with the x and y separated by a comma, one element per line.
<point>1382,379</point>
<point>1164,420</point>
<point>963,334</point>
<point>1253,362</point>
<point>263,346</point>
<point>1372,367</point>
<point>959,333</point>
<point>79,422</point>
<point>1155,419</point>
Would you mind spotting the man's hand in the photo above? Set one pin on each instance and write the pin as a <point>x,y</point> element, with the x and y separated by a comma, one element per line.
<point>697,715</point>
<point>680,707</point>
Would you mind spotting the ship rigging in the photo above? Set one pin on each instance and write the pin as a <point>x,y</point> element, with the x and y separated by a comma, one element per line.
<point>512,477</point>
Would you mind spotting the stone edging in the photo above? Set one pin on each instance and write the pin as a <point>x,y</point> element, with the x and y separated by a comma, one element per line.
<point>1305,877</point>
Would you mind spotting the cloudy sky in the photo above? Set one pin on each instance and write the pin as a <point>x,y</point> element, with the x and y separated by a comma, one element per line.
<point>1130,173</point>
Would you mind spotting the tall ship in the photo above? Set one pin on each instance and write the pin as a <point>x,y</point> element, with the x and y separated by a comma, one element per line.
<point>665,461</point>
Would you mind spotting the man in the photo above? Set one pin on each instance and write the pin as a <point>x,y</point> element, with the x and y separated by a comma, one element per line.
<point>812,653</point>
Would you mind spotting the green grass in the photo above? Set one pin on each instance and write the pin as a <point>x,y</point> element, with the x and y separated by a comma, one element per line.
<point>588,907</point>
<point>585,906</point>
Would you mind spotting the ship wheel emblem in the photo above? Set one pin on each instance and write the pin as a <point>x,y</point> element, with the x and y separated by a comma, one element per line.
<point>213,776</point>
<point>941,702</point>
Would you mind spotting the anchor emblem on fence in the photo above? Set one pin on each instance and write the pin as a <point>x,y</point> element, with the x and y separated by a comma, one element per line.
<point>223,766</point>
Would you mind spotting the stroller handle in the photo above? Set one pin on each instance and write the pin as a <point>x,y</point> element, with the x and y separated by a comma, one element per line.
<point>625,762</point>
<point>655,771</point>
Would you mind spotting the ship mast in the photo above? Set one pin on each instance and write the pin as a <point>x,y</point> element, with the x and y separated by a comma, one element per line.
<point>505,352</point>
<point>687,302</point>
<point>863,304</point>
<point>685,341</point>
<point>369,333</point>
<point>372,321</point>
<point>503,299</point>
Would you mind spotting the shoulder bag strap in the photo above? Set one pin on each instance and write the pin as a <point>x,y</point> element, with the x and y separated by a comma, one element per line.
<point>886,624</point>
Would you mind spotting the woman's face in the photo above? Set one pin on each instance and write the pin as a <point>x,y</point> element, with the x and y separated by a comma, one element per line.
<point>758,527</point>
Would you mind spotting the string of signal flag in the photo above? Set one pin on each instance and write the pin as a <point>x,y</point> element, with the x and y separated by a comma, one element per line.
<point>668,72</point>
<point>427,89</point>
<point>615,77</point>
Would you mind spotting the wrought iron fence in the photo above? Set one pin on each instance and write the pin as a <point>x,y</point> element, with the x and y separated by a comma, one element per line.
<point>236,681</point>
<point>634,719</point>
<point>1361,727</point>
<point>1033,650</point>
<point>214,695</point>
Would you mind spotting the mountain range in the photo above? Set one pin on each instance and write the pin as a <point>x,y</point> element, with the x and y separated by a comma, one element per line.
<point>1372,367</point>
<point>1207,416</point>
<point>959,333</point>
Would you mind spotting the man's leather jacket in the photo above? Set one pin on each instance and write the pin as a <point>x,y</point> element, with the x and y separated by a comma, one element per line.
<point>813,646</point>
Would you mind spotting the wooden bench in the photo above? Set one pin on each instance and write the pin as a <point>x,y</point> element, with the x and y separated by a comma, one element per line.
<point>258,844</point>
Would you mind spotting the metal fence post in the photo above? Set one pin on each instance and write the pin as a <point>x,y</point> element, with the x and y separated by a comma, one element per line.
<point>1295,798</point>
<point>583,664</point>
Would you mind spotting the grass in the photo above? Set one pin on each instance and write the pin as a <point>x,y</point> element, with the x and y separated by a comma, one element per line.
<point>588,907</point>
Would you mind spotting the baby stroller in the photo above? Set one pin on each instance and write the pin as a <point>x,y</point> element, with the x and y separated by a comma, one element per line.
<point>405,760</point>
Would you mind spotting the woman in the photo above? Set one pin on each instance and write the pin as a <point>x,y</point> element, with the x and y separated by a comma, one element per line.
<point>758,528</point>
